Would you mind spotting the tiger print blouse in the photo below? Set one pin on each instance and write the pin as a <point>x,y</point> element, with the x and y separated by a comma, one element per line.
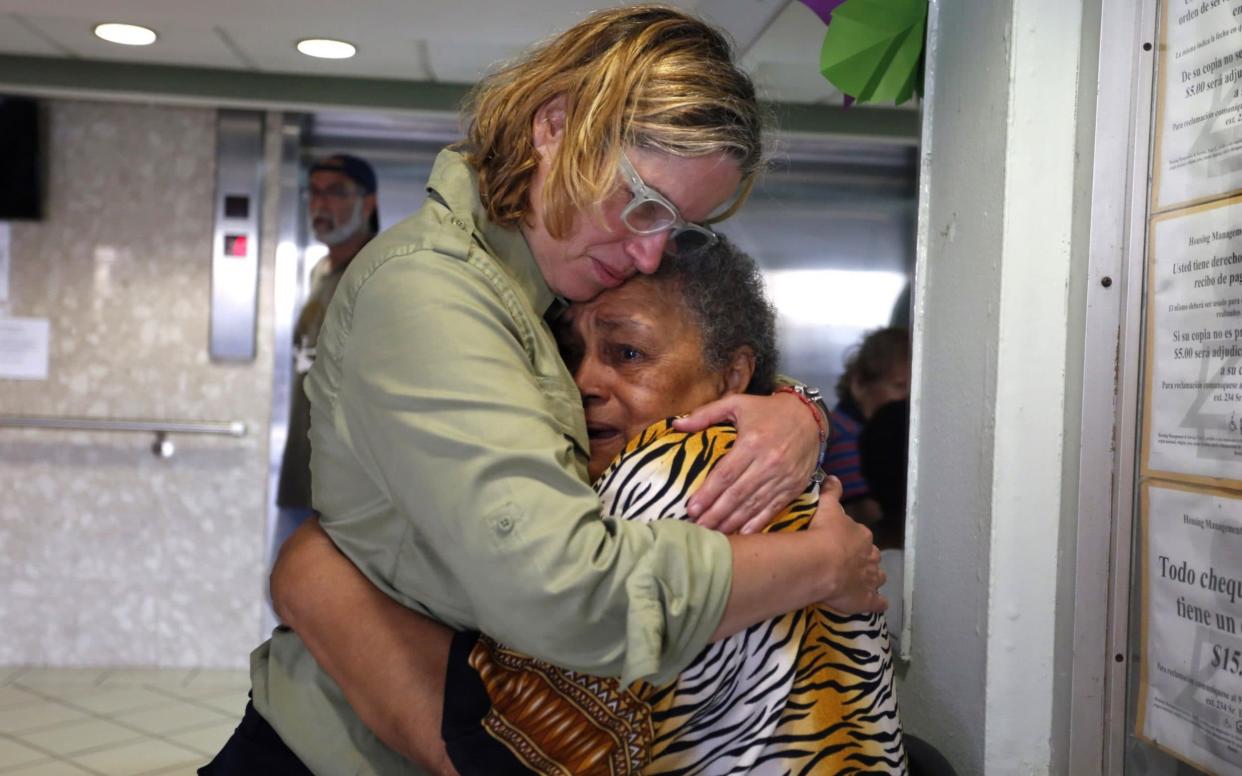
<point>810,692</point>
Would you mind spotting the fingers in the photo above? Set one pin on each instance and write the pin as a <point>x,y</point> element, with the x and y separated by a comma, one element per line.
<point>765,470</point>
<point>713,412</point>
<point>744,491</point>
<point>831,487</point>
<point>871,577</point>
<point>830,513</point>
<point>758,524</point>
<point>873,601</point>
<point>750,498</point>
<point>868,601</point>
<point>852,556</point>
<point>753,514</point>
<point>863,601</point>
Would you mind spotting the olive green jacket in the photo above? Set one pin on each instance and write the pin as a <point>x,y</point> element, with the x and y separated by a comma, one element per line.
<point>448,461</point>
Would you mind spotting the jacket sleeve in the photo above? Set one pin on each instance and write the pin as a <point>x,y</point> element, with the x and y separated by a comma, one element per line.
<point>439,401</point>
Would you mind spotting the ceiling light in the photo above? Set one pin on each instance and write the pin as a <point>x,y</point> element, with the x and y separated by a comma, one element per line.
<point>326,48</point>
<point>125,34</point>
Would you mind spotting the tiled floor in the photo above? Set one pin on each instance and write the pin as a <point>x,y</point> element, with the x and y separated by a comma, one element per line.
<point>71,722</point>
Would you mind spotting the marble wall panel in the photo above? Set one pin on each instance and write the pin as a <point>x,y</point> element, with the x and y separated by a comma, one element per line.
<point>109,555</point>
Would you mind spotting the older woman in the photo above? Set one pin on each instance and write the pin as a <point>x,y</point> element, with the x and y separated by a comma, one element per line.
<point>810,691</point>
<point>877,373</point>
<point>449,446</point>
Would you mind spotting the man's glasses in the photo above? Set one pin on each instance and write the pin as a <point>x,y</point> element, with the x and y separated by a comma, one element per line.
<point>335,191</point>
<point>649,212</point>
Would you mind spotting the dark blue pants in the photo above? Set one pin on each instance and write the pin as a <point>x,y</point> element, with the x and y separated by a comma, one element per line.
<point>255,748</point>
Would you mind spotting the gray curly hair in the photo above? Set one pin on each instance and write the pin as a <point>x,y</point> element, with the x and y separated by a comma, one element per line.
<point>723,290</point>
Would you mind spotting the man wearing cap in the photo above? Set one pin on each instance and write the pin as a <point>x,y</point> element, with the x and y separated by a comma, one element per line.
<point>343,215</point>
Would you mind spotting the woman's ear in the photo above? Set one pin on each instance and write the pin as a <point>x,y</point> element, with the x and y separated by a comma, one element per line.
<point>549,123</point>
<point>740,369</point>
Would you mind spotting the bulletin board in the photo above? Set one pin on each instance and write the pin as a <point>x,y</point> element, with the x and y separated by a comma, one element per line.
<point>1188,558</point>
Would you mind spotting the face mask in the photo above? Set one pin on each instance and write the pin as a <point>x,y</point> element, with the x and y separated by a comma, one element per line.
<point>345,231</point>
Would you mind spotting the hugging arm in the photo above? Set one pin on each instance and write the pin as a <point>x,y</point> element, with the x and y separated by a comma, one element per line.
<point>388,660</point>
<point>847,574</point>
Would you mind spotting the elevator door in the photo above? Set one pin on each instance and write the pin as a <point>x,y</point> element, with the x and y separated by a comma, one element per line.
<point>402,150</point>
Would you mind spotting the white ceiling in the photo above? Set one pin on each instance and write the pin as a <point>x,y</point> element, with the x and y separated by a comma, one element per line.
<point>452,41</point>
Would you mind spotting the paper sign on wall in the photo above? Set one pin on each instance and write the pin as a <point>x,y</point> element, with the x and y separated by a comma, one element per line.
<point>1199,113</point>
<point>1194,340</point>
<point>23,348</point>
<point>1190,694</point>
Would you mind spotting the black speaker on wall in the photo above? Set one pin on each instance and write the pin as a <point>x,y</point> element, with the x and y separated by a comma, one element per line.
<point>21,159</point>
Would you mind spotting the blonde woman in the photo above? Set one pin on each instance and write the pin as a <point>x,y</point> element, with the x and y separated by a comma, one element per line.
<point>449,445</point>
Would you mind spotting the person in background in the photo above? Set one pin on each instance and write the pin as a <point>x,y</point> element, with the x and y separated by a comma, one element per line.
<point>877,373</point>
<point>883,448</point>
<point>343,214</point>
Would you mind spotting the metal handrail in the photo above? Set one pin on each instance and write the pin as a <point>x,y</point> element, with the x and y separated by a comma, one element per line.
<point>233,428</point>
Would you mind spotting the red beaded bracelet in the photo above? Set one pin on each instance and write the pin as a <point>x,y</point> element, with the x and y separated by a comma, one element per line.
<point>819,419</point>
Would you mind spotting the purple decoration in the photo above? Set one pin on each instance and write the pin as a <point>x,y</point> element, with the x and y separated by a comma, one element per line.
<point>823,8</point>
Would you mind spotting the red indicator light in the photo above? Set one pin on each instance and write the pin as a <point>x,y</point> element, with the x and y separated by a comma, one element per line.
<point>235,245</point>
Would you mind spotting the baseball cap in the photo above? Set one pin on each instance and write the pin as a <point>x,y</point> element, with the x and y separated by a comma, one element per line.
<point>357,170</point>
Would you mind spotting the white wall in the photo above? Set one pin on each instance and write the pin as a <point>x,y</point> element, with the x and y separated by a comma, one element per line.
<point>1002,170</point>
<point>108,555</point>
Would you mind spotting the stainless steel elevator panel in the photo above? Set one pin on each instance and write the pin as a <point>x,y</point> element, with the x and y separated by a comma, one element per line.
<point>235,244</point>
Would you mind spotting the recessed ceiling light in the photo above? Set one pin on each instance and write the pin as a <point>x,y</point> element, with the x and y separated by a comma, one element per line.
<point>125,34</point>
<point>326,48</point>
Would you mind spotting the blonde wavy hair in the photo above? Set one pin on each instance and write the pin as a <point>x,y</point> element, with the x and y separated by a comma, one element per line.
<point>644,76</point>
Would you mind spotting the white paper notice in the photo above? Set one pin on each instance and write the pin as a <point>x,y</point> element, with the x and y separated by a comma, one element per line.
<point>1195,341</point>
<point>1191,696</point>
<point>1200,121</point>
<point>23,348</point>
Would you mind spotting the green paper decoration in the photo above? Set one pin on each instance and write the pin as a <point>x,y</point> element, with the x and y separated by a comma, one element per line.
<point>873,51</point>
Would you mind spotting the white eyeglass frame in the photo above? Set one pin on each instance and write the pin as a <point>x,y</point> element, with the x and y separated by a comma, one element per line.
<point>642,193</point>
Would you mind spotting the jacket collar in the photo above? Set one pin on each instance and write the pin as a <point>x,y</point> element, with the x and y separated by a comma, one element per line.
<point>457,184</point>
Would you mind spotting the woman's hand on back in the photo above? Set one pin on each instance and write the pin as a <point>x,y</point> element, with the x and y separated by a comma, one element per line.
<point>776,452</point>
<point>833,563</point>
<point>853,561</point>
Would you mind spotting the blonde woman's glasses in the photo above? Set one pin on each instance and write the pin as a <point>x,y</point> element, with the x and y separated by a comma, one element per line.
<point>649,212</point>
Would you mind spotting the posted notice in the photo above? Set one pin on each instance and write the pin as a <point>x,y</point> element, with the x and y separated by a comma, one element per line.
<point>1200,121</point>
<point>1195,343</point>
<point>1190,700</point>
